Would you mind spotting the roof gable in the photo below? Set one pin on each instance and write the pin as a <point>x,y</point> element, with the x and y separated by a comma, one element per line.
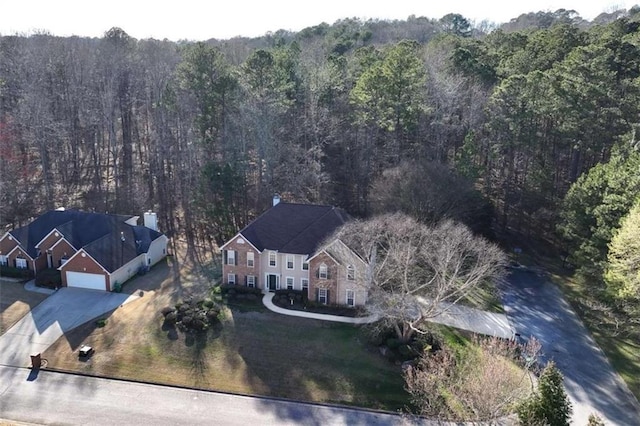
<point>294,228</point>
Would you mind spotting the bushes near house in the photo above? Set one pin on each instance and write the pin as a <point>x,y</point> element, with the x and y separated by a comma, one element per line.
<point>192,315</point>
<point>50,278</point>
<point>11,272</point>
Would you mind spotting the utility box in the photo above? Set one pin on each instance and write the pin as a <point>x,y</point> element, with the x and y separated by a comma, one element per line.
<point>36,361</point>
<point>86,351</point>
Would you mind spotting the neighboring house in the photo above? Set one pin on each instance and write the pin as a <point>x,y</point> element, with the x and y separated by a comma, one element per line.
<point>91,250</point>
<point>281,250</point>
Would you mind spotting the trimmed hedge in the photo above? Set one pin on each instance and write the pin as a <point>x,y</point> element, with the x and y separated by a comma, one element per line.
<point>50,278</point>
<point>10,271</point>
<point>231,289</point>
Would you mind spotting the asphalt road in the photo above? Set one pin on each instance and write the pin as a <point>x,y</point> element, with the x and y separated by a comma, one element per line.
<point>58,398</point>
<point>537,308</point>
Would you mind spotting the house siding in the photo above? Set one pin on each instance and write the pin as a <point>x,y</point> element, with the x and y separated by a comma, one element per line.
<point>240,269</point>
<point>128,270</point>
<point>86,264</point>
<point>157,250</point>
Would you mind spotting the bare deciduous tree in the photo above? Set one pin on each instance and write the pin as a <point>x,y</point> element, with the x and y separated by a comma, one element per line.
<point>484,385</point>
<point>416,272</point>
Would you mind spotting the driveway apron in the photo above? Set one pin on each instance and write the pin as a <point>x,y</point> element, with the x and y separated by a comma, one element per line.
<point>64,310</point>
<point>537,308</point>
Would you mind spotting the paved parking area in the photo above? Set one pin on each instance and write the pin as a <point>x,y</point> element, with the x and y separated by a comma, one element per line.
<point>64,310</point>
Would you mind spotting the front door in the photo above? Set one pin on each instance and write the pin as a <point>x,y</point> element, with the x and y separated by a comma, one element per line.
<point>272,279</point>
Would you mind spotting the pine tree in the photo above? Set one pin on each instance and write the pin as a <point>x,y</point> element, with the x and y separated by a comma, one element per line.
<point>549,405</point>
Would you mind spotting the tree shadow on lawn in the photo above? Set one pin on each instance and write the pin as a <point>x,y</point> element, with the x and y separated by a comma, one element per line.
<point>314,361</point>
<point>197,343</point>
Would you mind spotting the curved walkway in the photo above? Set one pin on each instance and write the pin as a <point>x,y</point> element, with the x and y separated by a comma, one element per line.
<point>462,317</point>
<point>268,302</point>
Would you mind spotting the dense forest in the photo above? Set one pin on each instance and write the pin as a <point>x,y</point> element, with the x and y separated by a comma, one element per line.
<point>491,126</point>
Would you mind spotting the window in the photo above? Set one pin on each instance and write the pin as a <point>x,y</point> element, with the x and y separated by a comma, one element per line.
<point>251,281</point>
<point>305,283</point>
<point>3,260</point>
<point>272,258</point>
<point>322,272</point>
<point>289,261</point>
<point>305,266</point>
<point>250,259</point>
<point>351,298</point>
<point>63,260</point>
<point>21,263</point>
<point>231,257</point>
<point>231,278</point>
<point>289,283</point>
<point>322,295</point>
<point>351,273</point>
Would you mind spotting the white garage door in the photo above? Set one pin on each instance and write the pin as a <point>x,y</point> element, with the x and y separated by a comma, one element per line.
<point>84,280</point>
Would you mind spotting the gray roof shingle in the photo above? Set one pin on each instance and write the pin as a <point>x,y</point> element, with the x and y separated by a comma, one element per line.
<point>294,228</point>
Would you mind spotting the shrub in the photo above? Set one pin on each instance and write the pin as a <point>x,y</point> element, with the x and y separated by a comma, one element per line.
<point>171,318</point>
<point>50,278</point>
<point>11,272</point>
<point>392,343</point>
<point>101,322</point>
<point>166,311</point>
<point>208,303</point>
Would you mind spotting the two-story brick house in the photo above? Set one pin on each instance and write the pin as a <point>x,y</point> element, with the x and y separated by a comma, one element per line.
<point>281,250</point>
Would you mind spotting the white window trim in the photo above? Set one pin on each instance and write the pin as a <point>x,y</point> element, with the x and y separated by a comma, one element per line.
<point>4,260</point>
<point>231,279</point>
<point>302,280</point>
<point>251,278</point>
<point>322,268</point>
<point>250,257</point>
<point>293,262</point>
<point>231,257</point>
<point>21,263</point>
<point>293,283</point>
<point>321,296</point>
<point>353,298</point>
<point>351,269</point>
<point>303,264</point>
<point>275,259</point>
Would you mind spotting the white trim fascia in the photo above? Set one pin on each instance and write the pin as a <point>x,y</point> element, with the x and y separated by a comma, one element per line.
<point>91,257</point>
<point>63,238</point>
<point>47,236</point>
<point>239,234</point>
<point>19,247</point>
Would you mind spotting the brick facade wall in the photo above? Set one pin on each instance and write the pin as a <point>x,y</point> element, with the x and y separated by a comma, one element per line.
<point>240,269</point>
<point>7,244</point>
<point>315,282</point>
<point>84,264</point>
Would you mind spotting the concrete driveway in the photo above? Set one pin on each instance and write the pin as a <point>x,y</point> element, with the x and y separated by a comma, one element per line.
<point>537,308</point>
<point>64,310</point>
